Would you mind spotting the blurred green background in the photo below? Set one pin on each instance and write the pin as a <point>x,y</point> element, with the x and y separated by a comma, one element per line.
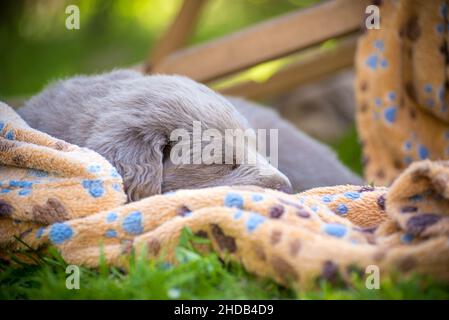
<point>36,47</point>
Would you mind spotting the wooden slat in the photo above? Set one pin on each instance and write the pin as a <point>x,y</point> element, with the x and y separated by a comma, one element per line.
<point>177,34</point>
<point>306,70</point>
<point>266,41</point>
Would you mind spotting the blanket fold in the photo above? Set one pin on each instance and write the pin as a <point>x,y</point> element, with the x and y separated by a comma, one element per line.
<point>55,193</point>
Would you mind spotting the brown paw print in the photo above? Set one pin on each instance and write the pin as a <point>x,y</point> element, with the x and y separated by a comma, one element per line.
<point>224,242</point>
<point>52,211</point>
<point>5,209</point>
<point>6,145</point>
<point>61,146</point>
<point>19,160</point>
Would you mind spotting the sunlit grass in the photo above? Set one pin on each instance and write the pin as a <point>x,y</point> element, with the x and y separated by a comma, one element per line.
<point>196,276</point>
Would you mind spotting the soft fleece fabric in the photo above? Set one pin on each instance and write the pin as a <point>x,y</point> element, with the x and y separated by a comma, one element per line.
<point>55,193</point>
<point>402,88</point>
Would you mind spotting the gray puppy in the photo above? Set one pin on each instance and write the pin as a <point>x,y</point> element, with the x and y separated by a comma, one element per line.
<point>128,118</point>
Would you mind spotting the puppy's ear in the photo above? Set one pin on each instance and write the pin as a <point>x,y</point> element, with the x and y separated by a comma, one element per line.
<point>138,158</point>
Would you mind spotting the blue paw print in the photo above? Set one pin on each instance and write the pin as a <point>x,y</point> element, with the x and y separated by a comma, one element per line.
<point>95,187</point>
<point>20,184</point>
<point>352,195</point>
<point>254,221</point>
<point>257,197</point>
<point>111,233</point>
<point>390,114</point>
<point>10,135</point>
<point>60,232</point>
<point>342,209</point>
<point>378,102</point>
<point>24,192</point>
<point>372,62</point>
<point>335,229</point>
<point>132,223</point>
<point>111,217</point>
<point>94,168</point>
<point>415,150</point>
<point>392,95</point>
<point>114,173</point>
<point>375,60</point>
<point>379,45</point>
<point>423,152</point>
<point>233,200</point>
<point>439,94</point>
<point>326,198</point>
<point>24,187</point>
<point>408,145</point>
<point>238,214</point>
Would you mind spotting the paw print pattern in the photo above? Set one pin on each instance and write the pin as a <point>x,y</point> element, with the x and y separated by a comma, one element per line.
<point>9,134</point>
<point>233,200</point>
<point>335,229</point>
<point>340,203</point>
<point>94,168</point>
<point>386,109</point>
<point>52,211</point>
<point>132,223</point>
<point>94,187</point>
<point>414,150</point>
<point>442,25</point>
<point>377,60</point>
<point>60,233</point>
<point>22,187</point>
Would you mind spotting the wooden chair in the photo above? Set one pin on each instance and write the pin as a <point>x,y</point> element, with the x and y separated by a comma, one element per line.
<point>301,32</point>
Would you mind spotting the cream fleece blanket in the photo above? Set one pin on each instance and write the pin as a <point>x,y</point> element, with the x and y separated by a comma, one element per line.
<point>55,193</point>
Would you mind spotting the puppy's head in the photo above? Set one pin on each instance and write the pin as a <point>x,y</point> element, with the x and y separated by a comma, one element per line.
<point>158,149</point>
<point>223,155</point>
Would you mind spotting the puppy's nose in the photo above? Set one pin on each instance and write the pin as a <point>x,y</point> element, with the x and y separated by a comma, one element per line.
<point>287,188</point>
<point>283,184</point>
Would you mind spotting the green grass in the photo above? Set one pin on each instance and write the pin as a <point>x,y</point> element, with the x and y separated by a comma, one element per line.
<point>194,277</point>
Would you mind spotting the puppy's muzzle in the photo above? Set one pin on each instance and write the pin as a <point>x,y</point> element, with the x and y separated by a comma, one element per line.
<point>286,189</point>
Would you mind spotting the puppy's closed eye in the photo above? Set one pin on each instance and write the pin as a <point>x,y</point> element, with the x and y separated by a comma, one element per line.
<point>166,151</point>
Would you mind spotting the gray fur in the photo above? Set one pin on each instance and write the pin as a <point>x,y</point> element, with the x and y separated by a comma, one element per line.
<point>305,161</point>
<point>128,117</point>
